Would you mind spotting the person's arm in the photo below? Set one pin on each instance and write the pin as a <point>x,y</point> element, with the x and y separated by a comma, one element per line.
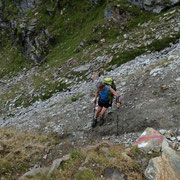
<point>96,95</point>
<point>118,97</point>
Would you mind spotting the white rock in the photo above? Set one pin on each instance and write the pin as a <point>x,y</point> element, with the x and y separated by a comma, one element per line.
<point>178,79</point>
<point>162,131</point>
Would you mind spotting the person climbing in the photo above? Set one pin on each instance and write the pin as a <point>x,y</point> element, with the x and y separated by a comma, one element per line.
<point>103,91</point>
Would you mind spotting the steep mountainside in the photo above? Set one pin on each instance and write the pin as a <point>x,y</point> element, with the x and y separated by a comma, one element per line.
<point>52,54</point>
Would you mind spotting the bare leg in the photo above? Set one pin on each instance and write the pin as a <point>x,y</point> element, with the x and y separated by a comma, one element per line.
<point>103,112</point>
<point>102,116</point>
<point>96,116</point>
<point>98,111</point>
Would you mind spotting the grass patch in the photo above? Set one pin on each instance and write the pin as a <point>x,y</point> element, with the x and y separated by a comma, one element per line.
<point>85,175</point>
<point>20,151</point>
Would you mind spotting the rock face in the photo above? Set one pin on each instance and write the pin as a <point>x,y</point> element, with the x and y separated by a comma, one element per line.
<point>23,31</point>
<point>153,5</point>
<point>166,167</point>
<point>150,140</point>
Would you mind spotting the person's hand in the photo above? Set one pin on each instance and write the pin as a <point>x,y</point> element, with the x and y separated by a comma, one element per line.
<point>118,104</point>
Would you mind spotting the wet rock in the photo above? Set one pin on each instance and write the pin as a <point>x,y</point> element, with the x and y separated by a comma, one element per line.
<point>150,140</point>
<point>113,174</point>
<point>165,167</point>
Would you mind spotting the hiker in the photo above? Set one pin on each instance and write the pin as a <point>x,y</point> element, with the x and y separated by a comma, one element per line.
<point>103,91</point>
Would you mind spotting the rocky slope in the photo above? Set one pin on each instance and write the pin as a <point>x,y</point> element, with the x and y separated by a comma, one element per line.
<point>149,86</point>
<point>48,79</point>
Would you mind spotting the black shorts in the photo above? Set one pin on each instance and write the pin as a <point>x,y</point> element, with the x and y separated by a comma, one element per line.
<point>103,103</point>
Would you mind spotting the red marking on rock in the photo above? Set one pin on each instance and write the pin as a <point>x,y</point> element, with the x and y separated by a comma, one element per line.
<point>158,137</point>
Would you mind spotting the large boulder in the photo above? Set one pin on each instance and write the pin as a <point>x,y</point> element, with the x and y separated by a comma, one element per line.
<point>166,167</point>
<point>150,140</point>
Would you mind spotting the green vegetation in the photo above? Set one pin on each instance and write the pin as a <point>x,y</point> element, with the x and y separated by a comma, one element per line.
<point>85,175</point>
<point>76,97</point>
<point>20,151</point>
<point>69,24</point>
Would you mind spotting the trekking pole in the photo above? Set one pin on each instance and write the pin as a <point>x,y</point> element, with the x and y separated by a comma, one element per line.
<point>117,133</point>
<point>94,112</point>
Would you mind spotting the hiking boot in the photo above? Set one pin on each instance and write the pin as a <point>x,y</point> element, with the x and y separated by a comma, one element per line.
<point>94,122</point>
<point>101,122</point>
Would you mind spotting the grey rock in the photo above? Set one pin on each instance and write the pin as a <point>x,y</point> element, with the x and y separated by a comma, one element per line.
<point>178,138</point>
<point>105,150</point>
<point>178,79</point>
<point>57,163</point>
<point>27,5</point>
<point>82,68</point>
<point>113,174</point>
<point>155,6</point>
<point>162,131</point>
<point>34,172</point>
<point>1,121</point>
<point>166,166</point>
<point>108,12</point>
<point>150,140</point>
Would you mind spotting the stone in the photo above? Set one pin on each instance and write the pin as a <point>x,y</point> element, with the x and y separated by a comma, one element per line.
<point>108,12</point>
<point>169,133</point>
<point>82,168</point>
<point>173,138</point>
<point>57,163</point>
<point>103,41</point>
<point>1,120</point>
<point>162,131</point>
<point>109,59</point>
<point>165,167</point>
<point>178,138</point>
<point>45,156</point>
<point>105,150</point>
<point>150,140</point>
<point>113,174</point>
<point>82,68</point>
<point>126,156</point>
<point>178,79</point>
<point>34,172</point>
<point>95,76</point>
